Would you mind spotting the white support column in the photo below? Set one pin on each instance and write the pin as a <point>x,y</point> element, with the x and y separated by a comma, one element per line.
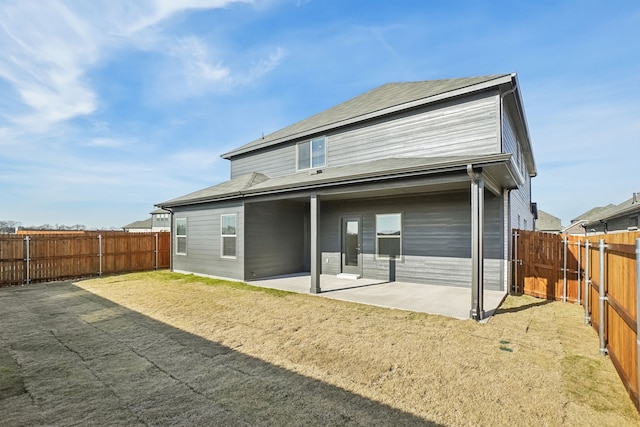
<point>315,244</point>
<point>477,245</point>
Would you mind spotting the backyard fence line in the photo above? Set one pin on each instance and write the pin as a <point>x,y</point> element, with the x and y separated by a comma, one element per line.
<point>607,267</point>
<point>26,259</point>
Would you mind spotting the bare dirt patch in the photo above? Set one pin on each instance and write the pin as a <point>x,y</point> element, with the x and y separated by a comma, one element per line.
<point>166,348</point>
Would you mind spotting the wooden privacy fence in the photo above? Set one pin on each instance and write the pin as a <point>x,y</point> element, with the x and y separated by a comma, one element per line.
<point>602,273</point>
<point>48,257</point>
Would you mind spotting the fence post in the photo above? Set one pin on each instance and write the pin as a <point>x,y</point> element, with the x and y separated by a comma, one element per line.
<point>587,283</point>
<point>564,270</point>
<point>27,259</point>
<point>100,253</point>
<point>638,311</point>
<point>579,272</point>
<point>603,297</point>
<point>156,252</point>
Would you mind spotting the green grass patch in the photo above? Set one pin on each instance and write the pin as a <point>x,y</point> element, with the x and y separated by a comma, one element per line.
<point>588,381</point>
<point>167,276</point>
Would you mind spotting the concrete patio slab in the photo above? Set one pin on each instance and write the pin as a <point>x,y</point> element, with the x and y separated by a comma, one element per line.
<point>444,300</point>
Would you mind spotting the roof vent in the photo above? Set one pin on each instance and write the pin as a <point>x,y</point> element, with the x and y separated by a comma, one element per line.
<point>634,198</point>
<point>315,171</point>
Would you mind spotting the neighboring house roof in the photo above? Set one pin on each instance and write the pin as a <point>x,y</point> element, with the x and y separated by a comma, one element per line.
<point>592,213</point>
<point>256,183</point>
<point>574,228</point>
<point>387,99</point>
<point>547,222</point>
<point>139,224</point>
<point>159,211</point>
<point>628,207</point>
<point>578,224</point>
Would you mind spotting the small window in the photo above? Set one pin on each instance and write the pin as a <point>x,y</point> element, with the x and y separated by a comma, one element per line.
<point>389,235</point>
<point>312,153</point>
<point>228,233</point>
<point>181,236</point>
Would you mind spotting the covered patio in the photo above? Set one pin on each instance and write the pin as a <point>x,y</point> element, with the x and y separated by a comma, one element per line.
<point>433,299</point>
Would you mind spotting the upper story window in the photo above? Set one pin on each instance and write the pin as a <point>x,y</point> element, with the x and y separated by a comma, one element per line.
<point>162,217</point>
<point>312,153</point>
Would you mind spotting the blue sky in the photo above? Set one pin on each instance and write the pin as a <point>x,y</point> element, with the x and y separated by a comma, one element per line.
<point>108,107</point>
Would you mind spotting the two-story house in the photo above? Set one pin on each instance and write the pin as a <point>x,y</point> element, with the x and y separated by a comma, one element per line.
<point>413,182</point>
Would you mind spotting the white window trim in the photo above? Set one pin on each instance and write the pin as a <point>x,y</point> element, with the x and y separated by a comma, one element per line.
<point>181,235</point>
<point>222,236</point>
<point>310,141</point>
<point>401,236</point>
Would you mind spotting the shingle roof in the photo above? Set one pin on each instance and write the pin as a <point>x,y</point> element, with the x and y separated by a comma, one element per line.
<point>159,211</point>
<point>593,213</point>
<point>612,211</point>
<point>547,222</point>
<point>253,183</point>
<point>227,188</point>
<point>378,100</point>
<point>139,224</point>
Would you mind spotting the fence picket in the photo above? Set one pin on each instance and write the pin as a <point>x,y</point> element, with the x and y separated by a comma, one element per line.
<point>49,257</point>
<point>611,279</point>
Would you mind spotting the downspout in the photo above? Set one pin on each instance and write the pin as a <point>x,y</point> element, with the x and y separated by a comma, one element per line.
<point>502,96</point>
<point>477,256</point>
<point>507,226</point>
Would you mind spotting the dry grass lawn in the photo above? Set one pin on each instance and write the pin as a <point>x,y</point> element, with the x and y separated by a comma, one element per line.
<point>533,363</point>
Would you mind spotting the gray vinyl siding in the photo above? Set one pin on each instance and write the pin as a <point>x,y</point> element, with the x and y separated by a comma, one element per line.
<point>520,198</point>
<point>203,241</point>
<point>274,161</point>
<point>275,238</point>
<point>459,127</point>
<point>436,242</point>
<point>511,145</point>
<point>161,222</point>
<point>621,223</point>
<point>520,202</point>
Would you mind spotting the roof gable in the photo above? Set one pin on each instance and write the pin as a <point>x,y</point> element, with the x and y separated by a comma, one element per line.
<point>382,100</point>
<point>227,188</point>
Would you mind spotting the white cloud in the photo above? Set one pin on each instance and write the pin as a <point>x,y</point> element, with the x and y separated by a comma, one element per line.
<point>264,66</point>
<point>203,71</point>
<point>197,61</point>
<point>108,142</point>
<point>48,47</point>
<point>163,9</point>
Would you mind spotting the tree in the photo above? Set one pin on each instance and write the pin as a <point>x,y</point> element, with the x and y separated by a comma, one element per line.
<point>8,226</point>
